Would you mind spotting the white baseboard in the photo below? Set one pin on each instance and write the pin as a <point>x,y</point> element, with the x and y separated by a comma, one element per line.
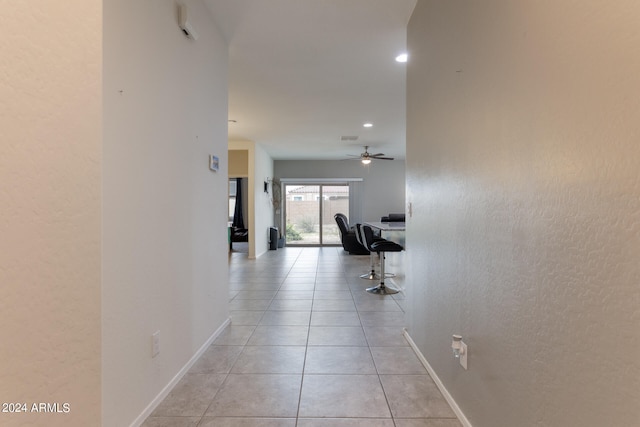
<point>445,393</point>
<point>167,389</point>
<point>260,254</point>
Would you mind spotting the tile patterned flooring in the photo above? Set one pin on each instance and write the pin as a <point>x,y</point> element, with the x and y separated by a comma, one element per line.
<point>307,347</point>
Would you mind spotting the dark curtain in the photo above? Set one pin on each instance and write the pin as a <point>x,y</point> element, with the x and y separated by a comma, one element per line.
<point>238,220</point>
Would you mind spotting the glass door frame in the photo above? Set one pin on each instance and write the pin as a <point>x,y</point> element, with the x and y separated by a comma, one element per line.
<point>320,183</point>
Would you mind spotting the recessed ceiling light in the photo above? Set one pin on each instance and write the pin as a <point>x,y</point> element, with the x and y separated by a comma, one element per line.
<point>368,125</point>
<point>403,57</point>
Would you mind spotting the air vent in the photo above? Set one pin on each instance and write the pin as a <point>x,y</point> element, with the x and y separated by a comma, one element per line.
<point>349,138</point>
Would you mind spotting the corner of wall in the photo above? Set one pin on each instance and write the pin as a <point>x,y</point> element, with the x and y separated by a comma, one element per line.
<point>164,238</point>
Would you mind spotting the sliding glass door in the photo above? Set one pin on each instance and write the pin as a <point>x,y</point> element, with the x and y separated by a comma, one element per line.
<point>309,212</point>
<point>335,198</point>
<point>302,217</point>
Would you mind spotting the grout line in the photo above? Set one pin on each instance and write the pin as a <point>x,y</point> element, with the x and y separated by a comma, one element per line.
<point>306,349</point>
<point>300,259</point>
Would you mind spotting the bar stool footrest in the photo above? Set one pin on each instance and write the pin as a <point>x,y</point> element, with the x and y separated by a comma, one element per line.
<point>382,290</point>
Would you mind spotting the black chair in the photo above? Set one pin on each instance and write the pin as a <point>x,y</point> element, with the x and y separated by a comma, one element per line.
<point>348,236</point>
<point>239,234</point>
<point>372,275</point>
<point>380,247</point>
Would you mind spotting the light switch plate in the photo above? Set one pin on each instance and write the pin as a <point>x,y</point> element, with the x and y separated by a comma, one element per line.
<point>155,344</point>
<point>463,354</point>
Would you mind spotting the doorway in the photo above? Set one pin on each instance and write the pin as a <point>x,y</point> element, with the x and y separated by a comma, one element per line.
<point>309,211</point>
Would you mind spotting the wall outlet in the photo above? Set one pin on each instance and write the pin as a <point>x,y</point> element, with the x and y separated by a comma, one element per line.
<point>463,354</point>
<point>155,344</point>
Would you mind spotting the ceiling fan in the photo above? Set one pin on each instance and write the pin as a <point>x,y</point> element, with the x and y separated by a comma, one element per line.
<point>366,157</point>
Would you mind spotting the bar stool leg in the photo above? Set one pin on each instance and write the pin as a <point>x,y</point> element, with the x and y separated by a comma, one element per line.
<point>381,288</point>
<point>372,275</point>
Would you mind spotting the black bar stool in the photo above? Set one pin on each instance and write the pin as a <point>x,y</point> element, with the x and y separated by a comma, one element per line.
<point>380,247</point>
<point>372,275</point>
<point>363,241</point>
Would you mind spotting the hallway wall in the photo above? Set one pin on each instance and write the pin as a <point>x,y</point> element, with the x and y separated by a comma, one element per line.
<point>522,169</point>
<point>164,228</point>
<point>50,172</point>
<point>259,209</point>
<point>264,209</point>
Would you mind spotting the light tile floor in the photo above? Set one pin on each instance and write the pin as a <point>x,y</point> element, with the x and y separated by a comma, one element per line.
<point>307,347</point>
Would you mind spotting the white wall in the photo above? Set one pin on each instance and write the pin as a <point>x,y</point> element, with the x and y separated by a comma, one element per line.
<point>164,228</point>
<point>264,209</point>
<point>50,168</point>
<point>260,209</point>
<point>523,124</point>
<point>383,182</point>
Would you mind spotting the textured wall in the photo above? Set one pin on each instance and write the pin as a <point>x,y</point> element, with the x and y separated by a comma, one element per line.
<point>50,158</point>
<point>523,126</point>
<point>164,212</point>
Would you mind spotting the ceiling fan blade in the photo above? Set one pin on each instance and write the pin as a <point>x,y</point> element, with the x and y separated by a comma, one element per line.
<point>368,156</point>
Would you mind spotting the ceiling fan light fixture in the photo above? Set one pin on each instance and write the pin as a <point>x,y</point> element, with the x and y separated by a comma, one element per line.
<point>403,57</point>
<point>366,157</point>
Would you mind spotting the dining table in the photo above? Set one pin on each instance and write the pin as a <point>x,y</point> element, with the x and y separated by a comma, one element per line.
<point>394,231</point>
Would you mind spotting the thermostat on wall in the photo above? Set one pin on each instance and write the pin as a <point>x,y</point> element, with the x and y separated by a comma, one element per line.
<point>214,163</point>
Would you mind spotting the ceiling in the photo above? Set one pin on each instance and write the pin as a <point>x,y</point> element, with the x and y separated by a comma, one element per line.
<point>305,73</point>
